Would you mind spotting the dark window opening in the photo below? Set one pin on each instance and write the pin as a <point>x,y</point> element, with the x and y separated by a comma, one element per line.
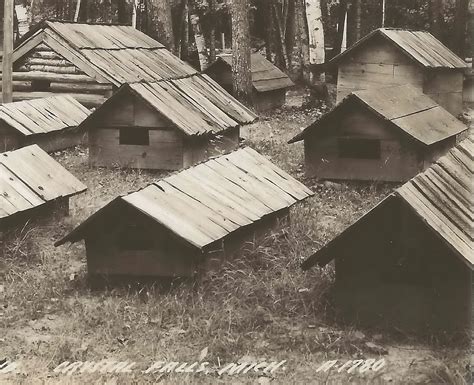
<point>134,135</point>
<point>356,148</point>
<point>40,85</point>
<point>134,237</point>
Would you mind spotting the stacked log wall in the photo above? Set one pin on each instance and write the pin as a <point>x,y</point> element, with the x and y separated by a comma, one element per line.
<point>58,75</point>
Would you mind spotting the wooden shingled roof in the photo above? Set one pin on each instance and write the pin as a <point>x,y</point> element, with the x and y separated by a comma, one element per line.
<point>421,46</point>
<point>29,178</point>
<point>108,53</point>
<point>442,196</point>
<point>41,116</point>
<point>265,75</point>
<point>196,105</point>
<point>409,110</point>
<point>207,202</point>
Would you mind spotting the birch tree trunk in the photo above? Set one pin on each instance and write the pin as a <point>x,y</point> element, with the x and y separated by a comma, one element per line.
<point>164,23</point>
<point>241,75</point>
<point>198,36</point>
<point>315,32</point>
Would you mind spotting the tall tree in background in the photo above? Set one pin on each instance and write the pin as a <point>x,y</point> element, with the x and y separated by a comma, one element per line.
<point>122,14</point>
<point>302,42</point>
<point>461,20</point>
<point>314,18</point>
<point>241,75</point>
<point>164,23</point>
<point>436,9</point>
<point>199,38</point>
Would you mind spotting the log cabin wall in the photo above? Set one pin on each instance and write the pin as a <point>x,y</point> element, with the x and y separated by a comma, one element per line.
<point>395,159</point>
<point>43,72</point>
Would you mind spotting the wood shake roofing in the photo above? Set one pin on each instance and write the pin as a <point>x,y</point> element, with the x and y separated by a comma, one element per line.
<point>421,46</point>
<point>442,196</point>
<point>29,178</point>
<point>406,108</point>
<point>40,116</point>
<point>205,203</point>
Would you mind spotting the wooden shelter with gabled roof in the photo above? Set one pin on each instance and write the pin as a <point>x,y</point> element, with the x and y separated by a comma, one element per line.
<point>408,262</point>
<point>387,134</point>
<point>50,123</point>
<point>165,125</point>
<point>190,221</point>
<point>388,56</point>
<point>269,82</point>
<point>88,61</point>
<point>32,185</point>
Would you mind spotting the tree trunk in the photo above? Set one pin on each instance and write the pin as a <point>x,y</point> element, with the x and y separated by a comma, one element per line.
<point>241,75</point>
<point>84,11</point>
<point>436,7</point>
<point>78,9</point>
<point>183,43</point>
<point>135,4</point>
<point>268,20</point>
<point>121,12</point>
<point>357,19</point>
<point>279,16</point>
<point>164,23</point>
<point>302,42</point>
<point>460,27</point>
<point>198,36</point>
<point>212,32</point>
<point>316,31</point>
<point>341,24</point>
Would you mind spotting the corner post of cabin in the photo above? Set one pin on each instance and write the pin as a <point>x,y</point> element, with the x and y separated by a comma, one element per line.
<point>7,81</point>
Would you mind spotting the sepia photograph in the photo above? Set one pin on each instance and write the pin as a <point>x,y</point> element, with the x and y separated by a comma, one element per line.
<point>236,192</point>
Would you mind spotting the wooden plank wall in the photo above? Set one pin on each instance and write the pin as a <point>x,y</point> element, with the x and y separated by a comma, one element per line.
<point>269,100</point>
<point>9,139</point>
<point>446,88</point>
<point>43,64</point>
<point>168,256</point>
<point>58,140</point>
<point>399,161</point>
<point>164,152</point>
<point>379,64</point>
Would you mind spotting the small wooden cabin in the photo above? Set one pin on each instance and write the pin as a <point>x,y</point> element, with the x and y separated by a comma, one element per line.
<point>88,61</point>
<point>48,122</point>
<point>388,134</point>
<point>165,125</point>
<point>190,221</point>
<point>33,185</point>
<point>408,262</point>
<point>269,82</point>
<point>387,57</point>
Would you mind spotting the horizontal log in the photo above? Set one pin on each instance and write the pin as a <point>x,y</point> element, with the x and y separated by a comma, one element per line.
<point>85,88</point>
<point>48,62</point>
<point>19,85</point>
<point>53,77</point>
<point>45,55</point>
<point>53,69</point>
<point>88,100</point>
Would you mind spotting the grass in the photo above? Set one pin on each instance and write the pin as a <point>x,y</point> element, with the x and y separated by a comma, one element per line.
<point>262,306</point>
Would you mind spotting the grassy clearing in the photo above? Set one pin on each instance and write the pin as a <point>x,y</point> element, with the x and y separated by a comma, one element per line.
<point>261,306</point>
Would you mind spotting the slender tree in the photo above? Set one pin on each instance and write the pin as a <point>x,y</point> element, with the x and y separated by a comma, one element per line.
<point>461,19</point>
<point>122,15</point>
<point>241,75</point>
<point>198,35</point>
<point>164,23</point>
